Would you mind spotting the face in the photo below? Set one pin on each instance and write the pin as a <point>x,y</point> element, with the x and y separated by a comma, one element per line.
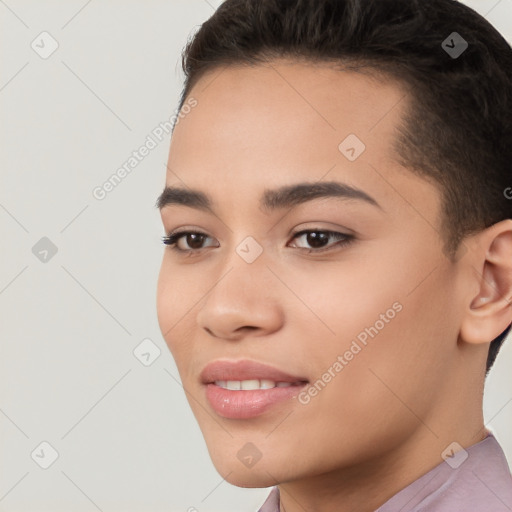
<point>334,294</point>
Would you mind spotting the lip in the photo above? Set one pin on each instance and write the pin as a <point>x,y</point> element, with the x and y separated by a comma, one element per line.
<point>245,369</point>
<point>246,404</point>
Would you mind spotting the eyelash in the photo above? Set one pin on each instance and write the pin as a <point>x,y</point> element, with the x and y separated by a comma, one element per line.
<point>343,240</point>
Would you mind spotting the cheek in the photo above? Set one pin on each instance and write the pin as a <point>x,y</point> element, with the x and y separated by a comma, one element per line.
<point>174,299</point>
<point>178,290</point>
<point>376,394</point>
<point>165,300</point>
<point>394,362</point>
<point>387,315</point>
<point>341,302</point>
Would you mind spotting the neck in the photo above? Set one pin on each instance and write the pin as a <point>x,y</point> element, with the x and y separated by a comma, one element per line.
<point>370,483</point>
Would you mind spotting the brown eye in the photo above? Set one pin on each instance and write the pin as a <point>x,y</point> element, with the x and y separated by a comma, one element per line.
<point>317,239</point>
<point>193,239</point>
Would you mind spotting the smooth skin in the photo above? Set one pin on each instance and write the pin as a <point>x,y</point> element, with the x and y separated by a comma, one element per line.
<point>384,420</point>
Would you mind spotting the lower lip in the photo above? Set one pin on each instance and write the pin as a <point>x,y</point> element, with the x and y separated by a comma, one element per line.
<point>246,404</point>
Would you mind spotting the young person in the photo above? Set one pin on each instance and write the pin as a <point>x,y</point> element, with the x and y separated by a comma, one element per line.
<point>337,280</point>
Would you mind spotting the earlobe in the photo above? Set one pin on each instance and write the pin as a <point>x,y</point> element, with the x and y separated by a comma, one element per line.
<point>490,310</point>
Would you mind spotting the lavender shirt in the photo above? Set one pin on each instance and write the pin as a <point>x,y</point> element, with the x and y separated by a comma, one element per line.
<point>480,482</point>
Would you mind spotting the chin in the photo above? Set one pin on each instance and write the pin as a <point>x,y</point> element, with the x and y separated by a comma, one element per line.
<point>236,471</point>
<point>249,478</point>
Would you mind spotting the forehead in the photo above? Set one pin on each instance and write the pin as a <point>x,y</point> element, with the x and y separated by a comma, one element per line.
<point>284,121</point>
<point>277,103</point>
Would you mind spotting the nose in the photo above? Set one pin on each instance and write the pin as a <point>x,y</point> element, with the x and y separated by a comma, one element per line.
<point>244,299</point>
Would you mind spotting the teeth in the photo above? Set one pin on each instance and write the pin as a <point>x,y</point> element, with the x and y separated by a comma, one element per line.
<point>250,384</point>
<point>237,385</point>
<point>267,384</point>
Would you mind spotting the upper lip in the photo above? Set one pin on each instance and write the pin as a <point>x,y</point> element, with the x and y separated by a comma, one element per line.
<point>244,369</point>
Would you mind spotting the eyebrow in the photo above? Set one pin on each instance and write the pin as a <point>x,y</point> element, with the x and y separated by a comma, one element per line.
<point>271,199</point>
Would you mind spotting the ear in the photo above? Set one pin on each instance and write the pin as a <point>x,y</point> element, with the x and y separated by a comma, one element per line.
<point>490,311</point>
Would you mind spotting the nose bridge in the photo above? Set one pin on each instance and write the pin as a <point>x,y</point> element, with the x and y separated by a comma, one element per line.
<point>242,295</point>
<point>243,269</point>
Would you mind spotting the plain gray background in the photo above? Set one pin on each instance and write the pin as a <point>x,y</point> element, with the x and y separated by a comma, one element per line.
<point>70,321</point>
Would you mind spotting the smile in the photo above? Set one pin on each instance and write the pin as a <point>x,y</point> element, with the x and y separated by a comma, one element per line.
<point>238,385</point>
